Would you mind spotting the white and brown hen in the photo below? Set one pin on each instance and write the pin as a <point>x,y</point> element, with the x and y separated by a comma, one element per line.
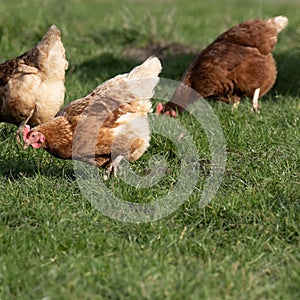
<point>32,85</point>
<point>107,125</point>
<point>239,63</point>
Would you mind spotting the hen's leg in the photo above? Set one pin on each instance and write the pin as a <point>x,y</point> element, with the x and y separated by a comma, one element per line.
<point>255,105</point>
<point>236,102</point>
<point>114,166</point>
<point>21,127</point>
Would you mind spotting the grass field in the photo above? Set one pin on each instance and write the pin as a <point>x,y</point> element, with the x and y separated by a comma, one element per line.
<point>244,245</point>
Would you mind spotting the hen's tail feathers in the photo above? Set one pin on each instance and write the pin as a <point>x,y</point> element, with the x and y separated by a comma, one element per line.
<point>49,40</point>
<point>143,79</point>
<point>280,22</point>
<point>148,69</point>
<point>51,52</point>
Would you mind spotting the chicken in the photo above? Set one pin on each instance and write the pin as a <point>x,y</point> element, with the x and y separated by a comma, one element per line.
<point>105,126</point>
<point>239,63</point>
<point>32,85</point>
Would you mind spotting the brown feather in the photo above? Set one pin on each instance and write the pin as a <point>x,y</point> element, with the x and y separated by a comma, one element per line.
<point>32,85</point>
<point>237,63</point>
<point>110,121</point>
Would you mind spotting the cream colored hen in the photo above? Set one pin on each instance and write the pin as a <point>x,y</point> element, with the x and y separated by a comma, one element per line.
<point>32,85</point>
<point>105,126</point>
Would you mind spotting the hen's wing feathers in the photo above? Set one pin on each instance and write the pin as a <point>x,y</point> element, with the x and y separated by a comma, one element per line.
<point>95,105</point>
<point>12,67</point>
<point>257,33</point>
<point>138,85</point>
<point>29,61</point>
<point>253,33</point>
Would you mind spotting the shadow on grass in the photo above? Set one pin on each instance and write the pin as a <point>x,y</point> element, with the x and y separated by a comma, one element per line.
<point>29,166</point>
<point>105,66</point>
<point>111,63</point>
<point>137,46</point>
<point>175,58</point>
<point>15,162</point>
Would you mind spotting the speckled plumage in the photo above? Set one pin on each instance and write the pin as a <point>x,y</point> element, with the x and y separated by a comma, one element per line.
<point>32,85</point>
<point>108,122</point>
<point>236,64</point>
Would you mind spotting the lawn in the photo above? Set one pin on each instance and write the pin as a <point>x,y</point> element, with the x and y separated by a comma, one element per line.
<point>55,244</point>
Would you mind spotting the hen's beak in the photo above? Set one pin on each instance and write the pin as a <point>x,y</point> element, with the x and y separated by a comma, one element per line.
<point>25,146</point>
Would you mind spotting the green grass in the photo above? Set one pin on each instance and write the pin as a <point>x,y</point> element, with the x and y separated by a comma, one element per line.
<point>244,245</point>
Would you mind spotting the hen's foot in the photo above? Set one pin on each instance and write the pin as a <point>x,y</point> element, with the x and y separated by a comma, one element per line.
<point>113,167</point>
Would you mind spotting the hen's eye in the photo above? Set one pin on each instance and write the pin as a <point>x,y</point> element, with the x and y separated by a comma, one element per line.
<point>33,135</point>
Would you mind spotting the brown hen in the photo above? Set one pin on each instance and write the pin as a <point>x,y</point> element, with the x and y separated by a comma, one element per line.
<point>107,125</point>
<point>32,85</point>
<point>239,63</point>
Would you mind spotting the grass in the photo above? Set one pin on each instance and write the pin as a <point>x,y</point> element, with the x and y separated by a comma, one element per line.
<point>244,245</point>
